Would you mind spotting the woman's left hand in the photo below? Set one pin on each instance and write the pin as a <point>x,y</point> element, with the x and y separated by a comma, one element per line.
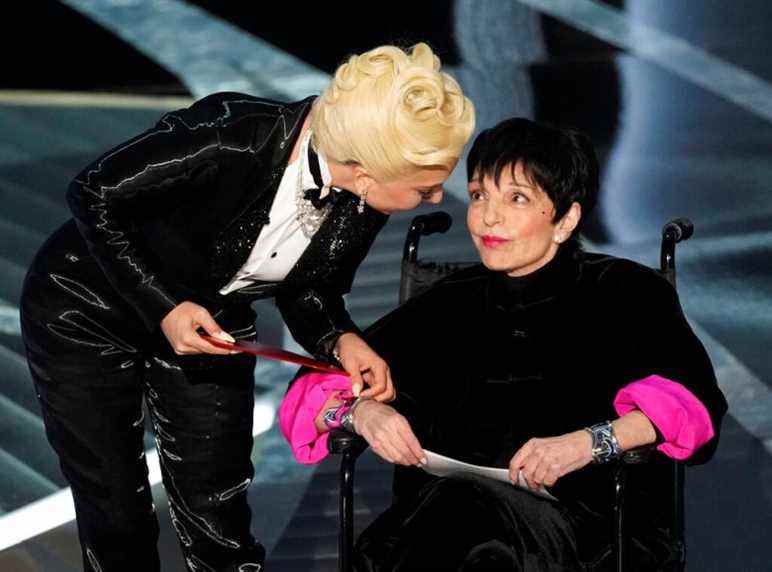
<point>544,461</point>
<point>365,366</point>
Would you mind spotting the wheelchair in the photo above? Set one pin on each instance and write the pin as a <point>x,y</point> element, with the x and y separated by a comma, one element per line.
<point>417,276</point>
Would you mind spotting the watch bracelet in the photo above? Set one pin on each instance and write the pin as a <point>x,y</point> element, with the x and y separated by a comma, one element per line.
<point>347,419</point>
<point>605,446</point>
<point>333,417</point>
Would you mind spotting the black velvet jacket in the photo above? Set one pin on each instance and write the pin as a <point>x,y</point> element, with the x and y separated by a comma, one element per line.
<point>483,362</point>
<point>172,214</point>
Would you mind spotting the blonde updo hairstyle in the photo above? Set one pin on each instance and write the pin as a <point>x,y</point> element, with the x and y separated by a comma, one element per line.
<point>393,112</point>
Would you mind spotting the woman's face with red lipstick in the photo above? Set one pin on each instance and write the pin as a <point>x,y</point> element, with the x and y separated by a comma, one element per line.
<point>512,223</point>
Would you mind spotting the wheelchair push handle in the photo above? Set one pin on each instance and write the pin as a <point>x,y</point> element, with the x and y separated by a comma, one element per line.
<point>678,229</point>
<point>432,223</point>
<point>424,225</point>
<point>673,232</point>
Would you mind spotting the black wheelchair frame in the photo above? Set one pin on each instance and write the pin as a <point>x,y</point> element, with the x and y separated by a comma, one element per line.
<point>413,281</point>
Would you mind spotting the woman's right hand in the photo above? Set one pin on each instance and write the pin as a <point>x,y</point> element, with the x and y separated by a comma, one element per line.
<point>364,365</point>
<point>180,328</point>
<point>388,433</point>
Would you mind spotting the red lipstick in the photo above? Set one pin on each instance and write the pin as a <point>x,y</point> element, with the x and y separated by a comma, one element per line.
<point>492,241</point>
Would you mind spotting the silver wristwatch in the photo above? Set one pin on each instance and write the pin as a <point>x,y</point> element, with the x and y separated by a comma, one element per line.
<point>347,419</point>
<point>347,422</point>
<point>332,417</point>
<point>605,446</point>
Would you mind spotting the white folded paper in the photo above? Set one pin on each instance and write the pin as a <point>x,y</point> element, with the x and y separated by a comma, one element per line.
<point>442,466</point>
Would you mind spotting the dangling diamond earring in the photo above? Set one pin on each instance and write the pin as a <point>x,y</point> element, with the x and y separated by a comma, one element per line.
<point>361,205</point>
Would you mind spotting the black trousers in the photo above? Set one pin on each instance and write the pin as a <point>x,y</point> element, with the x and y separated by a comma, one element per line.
<point>93,364</point>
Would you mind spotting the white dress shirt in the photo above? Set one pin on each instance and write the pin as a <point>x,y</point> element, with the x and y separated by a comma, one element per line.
<point>281,242</point>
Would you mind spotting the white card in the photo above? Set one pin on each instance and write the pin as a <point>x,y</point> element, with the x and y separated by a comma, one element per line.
<point>442,466</point>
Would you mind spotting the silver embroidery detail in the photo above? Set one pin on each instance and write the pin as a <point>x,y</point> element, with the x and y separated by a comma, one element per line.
<point>228,493</point>
<point>93,560</point>
<point>182,532</point>
<point>79,291</point>
<point>166,364</point>
<point>139,422</point>
<point>173,492</point>
<point>171,455</point>
<point>196,564</point>
<point>92,334</point>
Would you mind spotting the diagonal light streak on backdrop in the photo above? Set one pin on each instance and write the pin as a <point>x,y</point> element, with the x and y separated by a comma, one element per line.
<point>683,59</point>
<point>206,53</point>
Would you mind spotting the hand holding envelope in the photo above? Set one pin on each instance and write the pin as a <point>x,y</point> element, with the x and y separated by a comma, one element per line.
<point>381,387</point>
<point>272,352</point>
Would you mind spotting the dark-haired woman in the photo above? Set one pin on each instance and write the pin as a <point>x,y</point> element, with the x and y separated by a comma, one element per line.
<point>551,362</point>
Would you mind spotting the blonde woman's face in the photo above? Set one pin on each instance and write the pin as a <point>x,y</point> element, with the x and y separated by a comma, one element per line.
<point>407,193</point>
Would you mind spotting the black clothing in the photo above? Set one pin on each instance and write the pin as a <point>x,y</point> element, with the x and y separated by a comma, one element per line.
<point>169,216</point>
<point>92,360</point>
<point>483,362</point>
<point>173,213</point>
<point>470,523</point>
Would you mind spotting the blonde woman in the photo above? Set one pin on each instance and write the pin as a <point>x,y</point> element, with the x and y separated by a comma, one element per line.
<point>175,232</point>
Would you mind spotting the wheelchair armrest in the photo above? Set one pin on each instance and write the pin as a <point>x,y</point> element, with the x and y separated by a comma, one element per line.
<point>639,455</point>
<point>341,441</point>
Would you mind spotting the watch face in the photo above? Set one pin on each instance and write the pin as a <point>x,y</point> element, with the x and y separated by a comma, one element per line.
<point>331,418</point>
<point>604,447</point>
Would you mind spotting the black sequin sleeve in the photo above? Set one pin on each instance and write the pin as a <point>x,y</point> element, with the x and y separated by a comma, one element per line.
<point>134,180</point>
<point>311,297</point>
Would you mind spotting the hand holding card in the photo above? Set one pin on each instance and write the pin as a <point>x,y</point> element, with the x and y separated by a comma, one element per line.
<point>272,352</point>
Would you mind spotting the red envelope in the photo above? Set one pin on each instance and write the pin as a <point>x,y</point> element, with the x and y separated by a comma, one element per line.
<point>272,352</point>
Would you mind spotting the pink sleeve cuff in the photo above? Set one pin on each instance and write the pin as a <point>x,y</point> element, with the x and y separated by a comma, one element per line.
<point>679,416</point>
<point>298,411</point>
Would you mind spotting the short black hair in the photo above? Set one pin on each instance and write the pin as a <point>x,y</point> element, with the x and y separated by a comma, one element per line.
<point>561,161</point>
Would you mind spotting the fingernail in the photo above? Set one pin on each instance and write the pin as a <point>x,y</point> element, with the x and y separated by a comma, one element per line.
<point>235,352</point>
<point>355,390</point>
<point>424,461</point>
<point>225,336</point>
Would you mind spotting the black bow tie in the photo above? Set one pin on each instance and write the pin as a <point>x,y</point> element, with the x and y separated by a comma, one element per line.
<point>315,194</point>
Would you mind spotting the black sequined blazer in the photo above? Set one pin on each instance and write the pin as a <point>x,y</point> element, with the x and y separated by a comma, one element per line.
<point>172,214</point>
